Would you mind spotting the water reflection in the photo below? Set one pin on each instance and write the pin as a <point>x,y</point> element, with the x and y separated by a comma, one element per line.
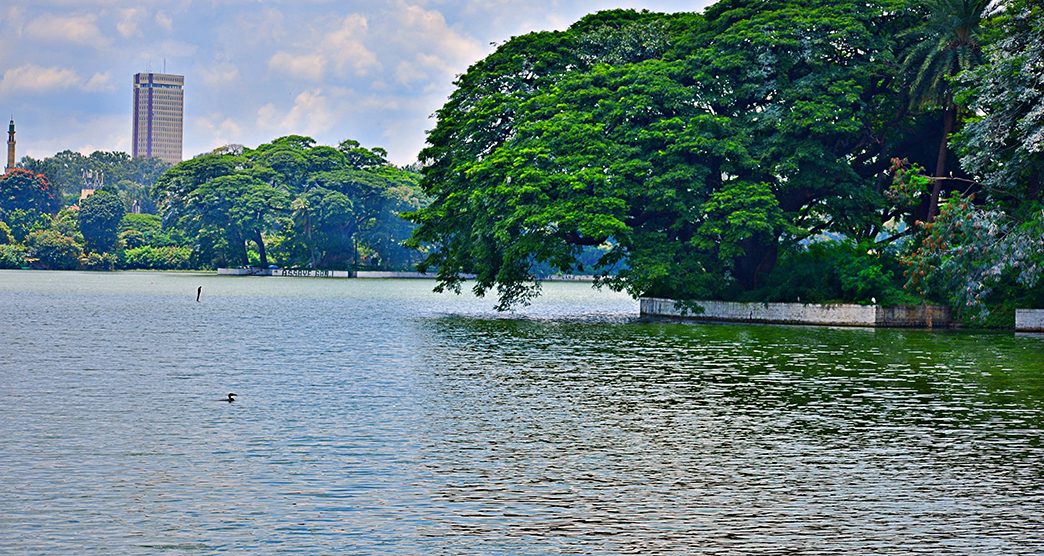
<point>374,417</point>
<point>737,438</point>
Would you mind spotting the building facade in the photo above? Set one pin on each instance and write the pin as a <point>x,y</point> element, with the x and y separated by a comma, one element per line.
<point>159,108</point>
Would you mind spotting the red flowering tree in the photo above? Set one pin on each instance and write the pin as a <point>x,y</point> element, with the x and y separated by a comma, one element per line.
<point>24,190</point>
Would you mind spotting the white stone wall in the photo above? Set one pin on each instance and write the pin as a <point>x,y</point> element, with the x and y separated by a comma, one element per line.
<point>389,274</point>
<point>842,314</point>
<point>1029,320</point>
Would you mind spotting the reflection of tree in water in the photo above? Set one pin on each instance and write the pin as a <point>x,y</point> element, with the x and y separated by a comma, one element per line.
<point>591,427</point>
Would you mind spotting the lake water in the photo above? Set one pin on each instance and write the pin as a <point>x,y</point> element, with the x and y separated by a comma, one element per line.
<point>377,417</point>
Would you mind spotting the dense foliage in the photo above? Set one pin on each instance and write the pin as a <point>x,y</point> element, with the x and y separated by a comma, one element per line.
<point>989,238</point>
<point>703,151</point>
<point>99,220</point>
<point>289,202</point>
<point>130,178</point>
<point>24,190</point>
<point>294,203</point>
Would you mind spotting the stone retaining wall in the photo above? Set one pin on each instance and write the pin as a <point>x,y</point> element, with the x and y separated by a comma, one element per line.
<point>1029,320</point>
<point>841,314</point>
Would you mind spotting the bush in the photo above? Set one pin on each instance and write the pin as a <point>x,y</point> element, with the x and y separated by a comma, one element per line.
<point>50,250</point>
<point>12,256</point>
<point>156,258</point>
<point>24,222</point>
<point>150,226</point>
<point>5,234</point>
<point>835,271</point>
<point>98,261</point>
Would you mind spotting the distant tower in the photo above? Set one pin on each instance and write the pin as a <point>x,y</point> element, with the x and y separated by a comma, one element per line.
<point>159,107</point>
<point>10,147</point>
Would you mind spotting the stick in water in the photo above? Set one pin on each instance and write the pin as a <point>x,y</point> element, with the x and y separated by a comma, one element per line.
<point>199,292</point>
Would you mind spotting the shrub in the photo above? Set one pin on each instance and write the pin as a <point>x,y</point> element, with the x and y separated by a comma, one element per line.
<point>48,249</point>
<point>156,258</point>
<point>98,261</point>
<point>12,256</point>
<point>5,234</point>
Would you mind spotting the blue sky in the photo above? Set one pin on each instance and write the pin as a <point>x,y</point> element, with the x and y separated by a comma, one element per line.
<point>254,70</point>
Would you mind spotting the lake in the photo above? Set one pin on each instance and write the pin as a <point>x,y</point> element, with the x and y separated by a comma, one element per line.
<point>374,416</point>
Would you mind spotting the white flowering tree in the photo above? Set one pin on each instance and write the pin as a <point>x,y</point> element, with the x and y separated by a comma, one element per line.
<point>971,247</point>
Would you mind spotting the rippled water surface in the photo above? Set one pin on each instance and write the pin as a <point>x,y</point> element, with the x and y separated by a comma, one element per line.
<point>377,417</point>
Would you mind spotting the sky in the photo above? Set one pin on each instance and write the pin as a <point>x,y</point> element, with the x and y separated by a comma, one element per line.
<point>373,71</point>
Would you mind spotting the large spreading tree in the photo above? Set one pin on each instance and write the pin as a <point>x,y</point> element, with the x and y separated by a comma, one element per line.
<point>691,147</point>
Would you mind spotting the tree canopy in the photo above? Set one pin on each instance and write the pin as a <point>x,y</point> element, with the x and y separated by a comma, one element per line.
<point>694,150</point>
<point>317,204</point>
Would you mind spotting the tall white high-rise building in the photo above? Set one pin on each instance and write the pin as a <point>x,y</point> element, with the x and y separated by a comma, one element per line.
<point>159,109</point>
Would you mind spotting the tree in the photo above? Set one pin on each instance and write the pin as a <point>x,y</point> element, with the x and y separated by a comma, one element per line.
<point>69,171</point>
<point>50,250</point>
<point>772,108</point>
<point>100,216</point>
<point>22,189</point>
<point>945,45</point>
<point>240,207</point>
<point>1003,145</point>
<point>977,245</point>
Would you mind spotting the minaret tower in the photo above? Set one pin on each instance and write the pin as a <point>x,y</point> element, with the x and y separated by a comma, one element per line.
<point>10,147</point>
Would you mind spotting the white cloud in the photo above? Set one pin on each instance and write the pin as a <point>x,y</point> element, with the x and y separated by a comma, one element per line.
<point>428,30</point>
<point>82,135</point>
<point>30,78</point>
<point>215,130</point>
<point>303,66</point>
<point>341,51</point>
<point>345,48</point>
<point>76,29</point>
<point>38,79</point>
<point>310,115</point>
<point>130,19</point>
<point>164,21</point>
<point>218,75</point>
<point>99,82</point>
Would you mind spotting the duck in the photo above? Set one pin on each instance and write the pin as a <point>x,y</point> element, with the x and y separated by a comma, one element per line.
<point>231,397</point>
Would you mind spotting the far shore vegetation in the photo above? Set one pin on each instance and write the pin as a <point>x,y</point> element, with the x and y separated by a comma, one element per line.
<point>889,151</point>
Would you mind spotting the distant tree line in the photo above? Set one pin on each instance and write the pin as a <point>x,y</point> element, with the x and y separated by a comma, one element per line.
<point>289,202</point>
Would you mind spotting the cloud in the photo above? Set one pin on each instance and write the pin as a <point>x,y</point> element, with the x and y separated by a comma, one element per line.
<point>344,47</point>
<point>310,115</point>
<point>303,66</point>
<point>130,19</point>
<point>79,134</point>
<point>99,82</point>
<point>38,79</point>
<point>76,29</point>
<point>428,30</point>
<point>218,75</point>
<point>429,50</point>
<point>215,130</point>
<point>164,21</point>
<point>341,50</point>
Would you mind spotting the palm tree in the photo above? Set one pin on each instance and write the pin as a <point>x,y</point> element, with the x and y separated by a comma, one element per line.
<point>945,45</point>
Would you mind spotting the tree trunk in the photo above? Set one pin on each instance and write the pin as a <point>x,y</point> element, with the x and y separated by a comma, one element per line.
<point>238,245</point>
<point>261,248</point>
<point>949,117</point>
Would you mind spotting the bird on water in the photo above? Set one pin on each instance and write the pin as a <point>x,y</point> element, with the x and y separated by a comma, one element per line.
<point>199,292</point>
<point>231,397</point>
